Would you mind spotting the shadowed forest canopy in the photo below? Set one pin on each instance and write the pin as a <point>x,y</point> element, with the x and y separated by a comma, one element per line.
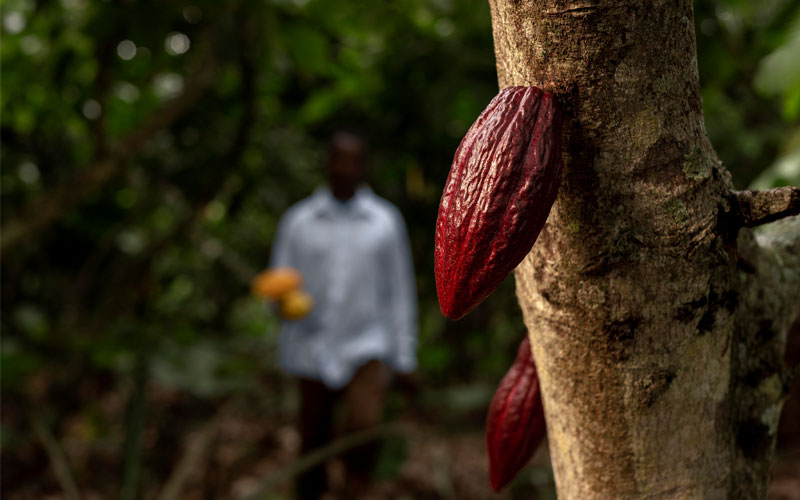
<point>149,149</point>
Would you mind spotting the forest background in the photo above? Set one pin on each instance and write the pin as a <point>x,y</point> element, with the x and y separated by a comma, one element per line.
<point>148,151</point>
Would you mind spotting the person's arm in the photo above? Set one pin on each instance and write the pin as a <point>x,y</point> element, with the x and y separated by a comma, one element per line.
<point>282,245</point>
<point>403,307</point>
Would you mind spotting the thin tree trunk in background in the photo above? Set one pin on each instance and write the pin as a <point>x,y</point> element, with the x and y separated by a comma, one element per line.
<point>657,323</point>
<point>134,427</point>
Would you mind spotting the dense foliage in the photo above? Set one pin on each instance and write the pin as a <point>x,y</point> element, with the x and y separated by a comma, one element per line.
<point>149,148</point>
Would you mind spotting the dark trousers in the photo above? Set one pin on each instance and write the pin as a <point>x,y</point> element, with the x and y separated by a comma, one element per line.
<point>363,400</point>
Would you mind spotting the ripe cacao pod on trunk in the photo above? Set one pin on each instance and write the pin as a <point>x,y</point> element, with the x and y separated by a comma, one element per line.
<point>515,424</point>
<point>503,181</point>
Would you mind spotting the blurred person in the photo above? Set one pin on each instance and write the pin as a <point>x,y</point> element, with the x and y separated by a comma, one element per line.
<point>352,250</point>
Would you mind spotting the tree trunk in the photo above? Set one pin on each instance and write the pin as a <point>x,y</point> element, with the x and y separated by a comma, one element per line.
<point>657,323</point>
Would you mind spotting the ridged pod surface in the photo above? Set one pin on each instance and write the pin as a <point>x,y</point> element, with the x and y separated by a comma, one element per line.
<point>515,424</point>
<point>503,181</point>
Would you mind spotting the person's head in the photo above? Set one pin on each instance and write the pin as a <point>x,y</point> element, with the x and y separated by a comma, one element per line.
<point>345,164</point>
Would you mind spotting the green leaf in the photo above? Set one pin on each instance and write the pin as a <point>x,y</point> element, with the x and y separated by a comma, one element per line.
<point>308,49</point>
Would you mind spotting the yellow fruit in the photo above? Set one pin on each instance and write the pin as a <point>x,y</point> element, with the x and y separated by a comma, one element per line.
<point>275,283</point>
<point>296,305</point>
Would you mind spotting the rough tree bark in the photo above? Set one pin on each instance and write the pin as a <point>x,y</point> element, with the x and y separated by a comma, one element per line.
<point>657,320</point>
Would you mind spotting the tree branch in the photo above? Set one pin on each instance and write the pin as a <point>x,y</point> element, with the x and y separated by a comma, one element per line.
<point>134,423</point>
<point>161,119</point>
<point>104,55</point>
<point>319,455</point>
<point>58,458</point>
<point>754,208</point>
<point>196,448</point>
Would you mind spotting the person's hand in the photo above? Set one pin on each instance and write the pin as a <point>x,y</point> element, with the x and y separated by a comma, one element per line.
<point>283,285</point>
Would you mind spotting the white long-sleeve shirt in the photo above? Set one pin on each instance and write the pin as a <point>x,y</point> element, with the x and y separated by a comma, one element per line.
<point>355,260</point>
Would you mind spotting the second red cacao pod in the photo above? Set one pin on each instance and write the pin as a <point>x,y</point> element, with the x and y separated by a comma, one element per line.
<point>503,181</point>
<point>515,425</point>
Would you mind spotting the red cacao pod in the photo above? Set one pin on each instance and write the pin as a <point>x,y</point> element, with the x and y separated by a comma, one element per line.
<point>515,425</point>
<point>503,181</point>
